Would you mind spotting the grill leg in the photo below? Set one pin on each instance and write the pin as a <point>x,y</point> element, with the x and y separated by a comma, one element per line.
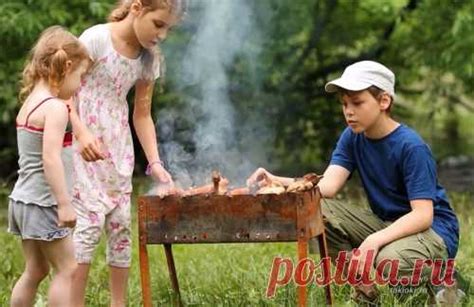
<point>143,256</point>
<point>145,275</point>
<point>323,251</point>
<point>302,254</point>
<point>172,271</point>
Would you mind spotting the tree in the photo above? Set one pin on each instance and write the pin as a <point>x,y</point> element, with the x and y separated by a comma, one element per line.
<point>22,21</point>
<point>302,45</point>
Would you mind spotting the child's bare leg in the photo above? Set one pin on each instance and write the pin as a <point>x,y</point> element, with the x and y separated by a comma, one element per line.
<point>36,269</point>
<point>118,286</point>
<point>60,253</point>
<point>118,230</point>
<point>80,283</point>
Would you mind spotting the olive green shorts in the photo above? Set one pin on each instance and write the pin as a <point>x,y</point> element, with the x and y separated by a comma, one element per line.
<point>347,226</point>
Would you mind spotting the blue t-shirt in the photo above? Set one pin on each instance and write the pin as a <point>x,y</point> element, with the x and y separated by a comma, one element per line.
<point>394,170</point>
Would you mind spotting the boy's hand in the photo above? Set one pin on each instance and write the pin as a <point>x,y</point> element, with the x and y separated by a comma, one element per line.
<point>370,247</point>
<point>259,175</point>
<point>66,216</point>
<point>90,147</point>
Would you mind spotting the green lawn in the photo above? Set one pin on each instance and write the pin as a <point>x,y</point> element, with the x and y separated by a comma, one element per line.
<point>218,275</point>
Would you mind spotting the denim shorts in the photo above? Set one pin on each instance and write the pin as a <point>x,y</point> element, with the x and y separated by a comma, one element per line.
<point>34,222</point>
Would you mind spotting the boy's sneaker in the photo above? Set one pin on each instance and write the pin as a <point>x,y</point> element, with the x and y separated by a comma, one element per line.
<point>450,295</point>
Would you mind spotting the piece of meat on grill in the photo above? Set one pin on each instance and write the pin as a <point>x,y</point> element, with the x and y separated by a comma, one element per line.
<point>303,184</point>
<point>222,184</point>
<point>252,190</point>
<point>272,190</point>
<point>239,191</point>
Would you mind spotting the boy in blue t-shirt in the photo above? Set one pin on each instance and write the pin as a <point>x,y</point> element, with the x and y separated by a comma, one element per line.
<point>410,216</point>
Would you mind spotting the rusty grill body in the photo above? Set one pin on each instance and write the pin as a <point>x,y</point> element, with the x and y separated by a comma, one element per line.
<point>211,218</point>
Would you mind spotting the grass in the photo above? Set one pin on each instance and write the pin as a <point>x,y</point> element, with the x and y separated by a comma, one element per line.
<point>221,274</point>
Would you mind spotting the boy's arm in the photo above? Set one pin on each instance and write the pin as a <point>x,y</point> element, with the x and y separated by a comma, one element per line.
<point>418,220</point>
<point>55,123</point>
<point>145,128</point>
<point>333,180</point>
<point>419,177</point>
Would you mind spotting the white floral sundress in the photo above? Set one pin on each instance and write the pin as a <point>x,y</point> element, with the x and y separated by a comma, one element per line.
<point>102,189</point>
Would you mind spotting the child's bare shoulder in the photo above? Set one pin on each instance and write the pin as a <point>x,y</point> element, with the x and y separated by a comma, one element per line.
<point>56,108</point>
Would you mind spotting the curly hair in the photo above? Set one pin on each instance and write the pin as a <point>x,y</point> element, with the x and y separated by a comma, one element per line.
<point>48,59</point>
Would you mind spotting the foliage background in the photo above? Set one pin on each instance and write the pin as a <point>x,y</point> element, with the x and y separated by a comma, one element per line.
<point>304,43</point>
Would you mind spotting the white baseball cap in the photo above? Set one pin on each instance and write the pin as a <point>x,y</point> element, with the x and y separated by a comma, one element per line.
<point>362,75</point>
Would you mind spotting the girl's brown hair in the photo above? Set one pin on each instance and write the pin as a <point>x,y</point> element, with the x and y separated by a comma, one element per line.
<point>48,59</point>
<point>150,56</point>
<point>121,10</point>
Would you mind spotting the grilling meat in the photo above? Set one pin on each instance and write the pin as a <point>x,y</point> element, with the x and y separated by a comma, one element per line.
<point>239,191</point>
<point>222,184</point>
<point>303,184</point>
<point>264,186</point>
<point>274,189</point>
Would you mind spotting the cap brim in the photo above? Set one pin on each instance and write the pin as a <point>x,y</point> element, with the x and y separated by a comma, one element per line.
<point>347,84</point>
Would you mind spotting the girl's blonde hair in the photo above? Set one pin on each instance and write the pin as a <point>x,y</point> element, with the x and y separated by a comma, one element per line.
<point>150,56</point>
<point>48,59</point>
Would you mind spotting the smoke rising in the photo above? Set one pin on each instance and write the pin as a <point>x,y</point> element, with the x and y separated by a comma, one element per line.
<point>207,131</point>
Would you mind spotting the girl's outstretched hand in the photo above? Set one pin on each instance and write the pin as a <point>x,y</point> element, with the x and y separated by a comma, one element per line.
<point>66,216</point>
<point>160,174</point>
<point>90,147</point>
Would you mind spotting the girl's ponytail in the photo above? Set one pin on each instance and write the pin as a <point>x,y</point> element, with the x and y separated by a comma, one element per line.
<point>48,60</point>
<point>120,11</point>
<point>58,67</point>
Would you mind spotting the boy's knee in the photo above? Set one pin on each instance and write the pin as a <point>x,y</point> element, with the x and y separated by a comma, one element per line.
<point>395,257</point>
<point>331,207</point>
<point>332,213</point>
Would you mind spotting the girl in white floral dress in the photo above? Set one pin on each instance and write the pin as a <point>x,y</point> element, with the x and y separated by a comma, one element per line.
<point>126,54</point>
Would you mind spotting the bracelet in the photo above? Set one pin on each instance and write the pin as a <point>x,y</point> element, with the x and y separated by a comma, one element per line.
<point>148,168</point>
